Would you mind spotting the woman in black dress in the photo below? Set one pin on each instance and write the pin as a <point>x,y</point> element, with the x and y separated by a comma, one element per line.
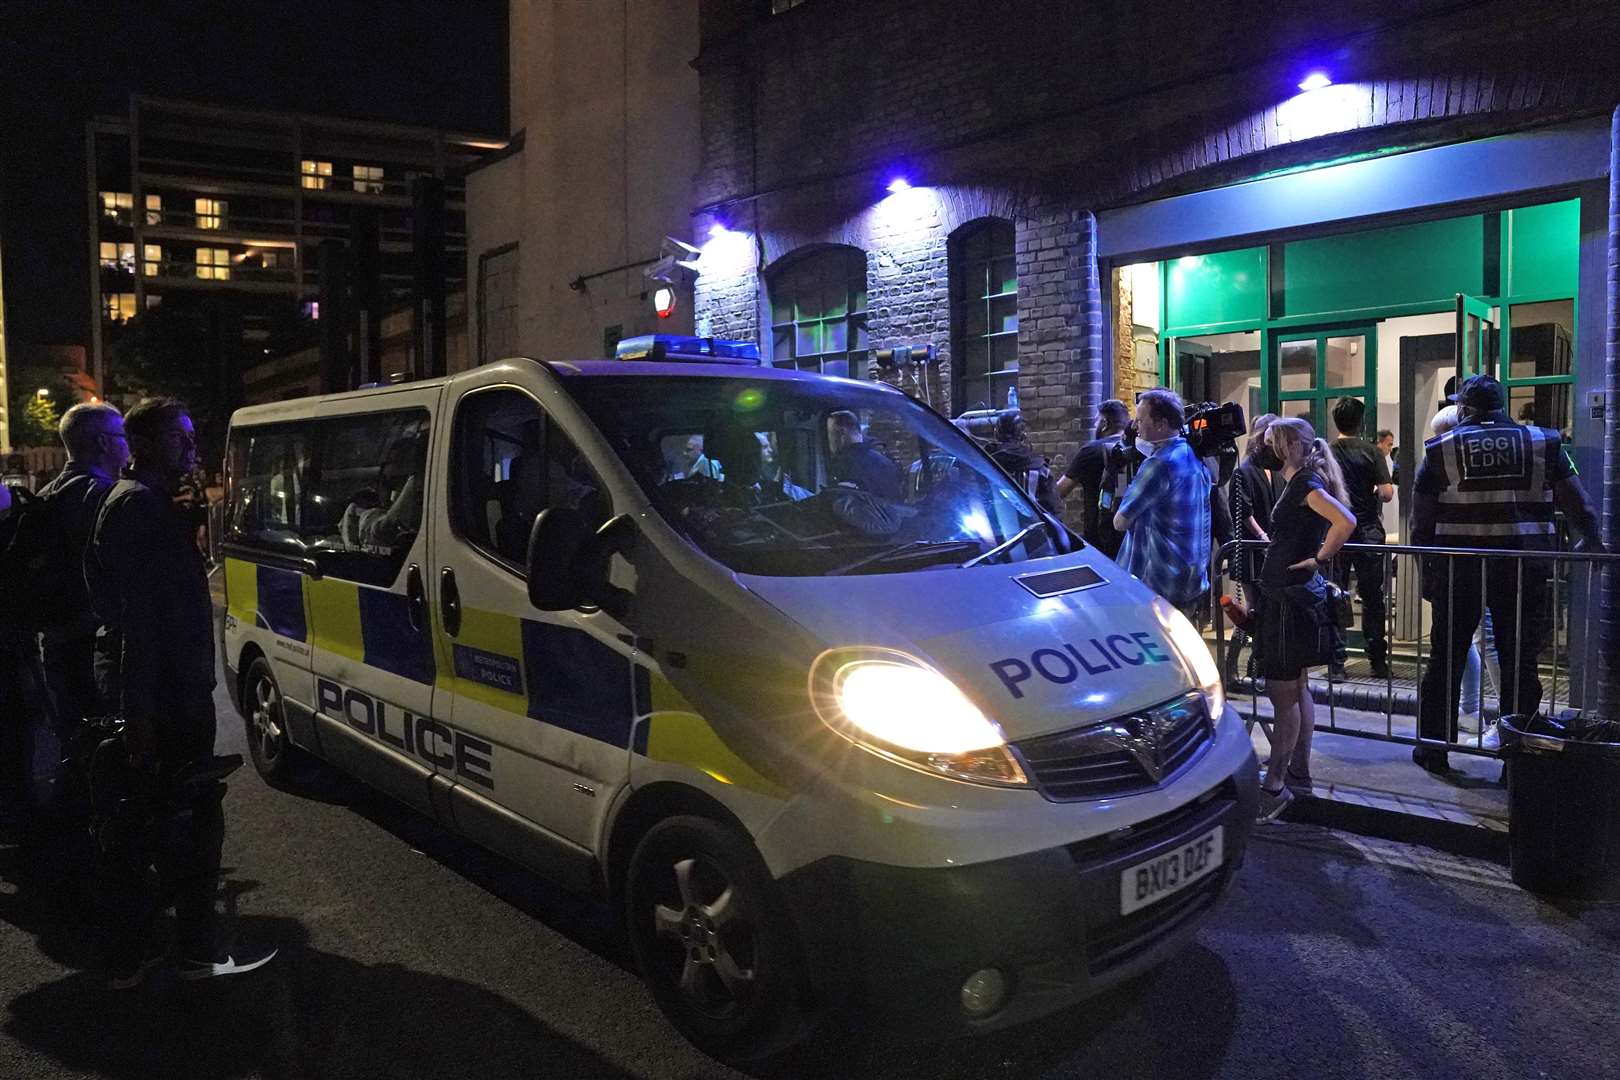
<point>1252,496</point>
<point>1309,524</point>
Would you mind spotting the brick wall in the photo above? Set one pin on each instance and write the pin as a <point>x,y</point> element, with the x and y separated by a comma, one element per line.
<point>1041,113</point>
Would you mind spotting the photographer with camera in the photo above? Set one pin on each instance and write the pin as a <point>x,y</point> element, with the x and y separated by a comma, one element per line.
<point>1165,515</point>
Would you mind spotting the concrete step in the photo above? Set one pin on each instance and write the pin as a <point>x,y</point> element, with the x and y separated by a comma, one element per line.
<point>1372,787</point>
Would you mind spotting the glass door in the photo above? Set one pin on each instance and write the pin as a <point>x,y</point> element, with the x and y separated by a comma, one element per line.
<point>1317,368</point>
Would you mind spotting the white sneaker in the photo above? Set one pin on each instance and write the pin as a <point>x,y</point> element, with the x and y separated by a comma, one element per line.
<point>1273,804</point>
<point>1491,737</point>
<point>191,970</point>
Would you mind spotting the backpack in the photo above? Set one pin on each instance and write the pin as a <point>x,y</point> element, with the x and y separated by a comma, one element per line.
<point>35,568</point>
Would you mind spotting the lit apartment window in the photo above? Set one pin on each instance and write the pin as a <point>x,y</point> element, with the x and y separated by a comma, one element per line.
<point>368,178</point>
<point>117,256</point>
<point>210,213</point>
<point>118,306</point>
<point>154,209</point>
<point>151,258</point>
<point>214,264</point>
<point>317,175</point>
<point>117,205</point>
<point>312,309</point>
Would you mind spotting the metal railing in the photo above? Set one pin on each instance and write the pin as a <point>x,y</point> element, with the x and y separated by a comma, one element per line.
<point>1552,604</point>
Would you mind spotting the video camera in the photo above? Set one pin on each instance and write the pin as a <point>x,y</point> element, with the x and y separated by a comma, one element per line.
<point>1211,429</point>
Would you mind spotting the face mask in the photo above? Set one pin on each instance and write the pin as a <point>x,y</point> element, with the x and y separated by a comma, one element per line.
<point>1267,458</point>
<point>1144,447</point>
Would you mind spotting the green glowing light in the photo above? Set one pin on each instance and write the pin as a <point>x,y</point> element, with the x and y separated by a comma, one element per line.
<point>749,400</point>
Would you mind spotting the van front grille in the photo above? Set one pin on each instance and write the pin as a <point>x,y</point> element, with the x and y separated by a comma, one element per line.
<point>1124,756</point>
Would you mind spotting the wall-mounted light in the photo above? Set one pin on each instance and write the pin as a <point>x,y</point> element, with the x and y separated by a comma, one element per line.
<point>717,230</point>
<point>899,184</point>
<point>1315,81</point>
<point>42,393</point>
<point>664,301</point>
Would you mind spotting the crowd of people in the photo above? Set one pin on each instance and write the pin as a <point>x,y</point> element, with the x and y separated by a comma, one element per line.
<point>107,656</point>
<point>1164,513</point>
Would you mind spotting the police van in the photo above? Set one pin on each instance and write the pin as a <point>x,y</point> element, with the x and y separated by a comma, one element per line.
<point>780,663</point>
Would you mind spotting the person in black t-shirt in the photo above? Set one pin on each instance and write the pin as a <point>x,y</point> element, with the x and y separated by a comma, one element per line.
<point>1367,482</point>
<point>1086,471</point>
<point>1386,446</point>
<point>1308,526</point>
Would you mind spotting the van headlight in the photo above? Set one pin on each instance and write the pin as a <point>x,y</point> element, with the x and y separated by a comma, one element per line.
<point>1189,645</point>
<point>897,707</point>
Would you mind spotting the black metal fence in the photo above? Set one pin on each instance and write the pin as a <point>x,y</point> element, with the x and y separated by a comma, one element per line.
<point>1536,645</point>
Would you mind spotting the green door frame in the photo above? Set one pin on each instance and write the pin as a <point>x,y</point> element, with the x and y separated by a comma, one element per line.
<point>1271,328</point>
<point>1473,358</point>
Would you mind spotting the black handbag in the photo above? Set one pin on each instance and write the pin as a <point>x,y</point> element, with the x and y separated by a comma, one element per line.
<point>1311,631</point>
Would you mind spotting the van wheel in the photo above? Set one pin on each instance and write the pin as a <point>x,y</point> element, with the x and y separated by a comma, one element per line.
<point>265,720</point>
<point>711,938</point>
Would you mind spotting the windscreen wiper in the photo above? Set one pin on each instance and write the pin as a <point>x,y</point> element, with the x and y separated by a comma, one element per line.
<point>1007,544</point>
<point>920,550</point>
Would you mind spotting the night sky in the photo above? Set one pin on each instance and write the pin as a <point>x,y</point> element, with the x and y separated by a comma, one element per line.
<point>437,63</point>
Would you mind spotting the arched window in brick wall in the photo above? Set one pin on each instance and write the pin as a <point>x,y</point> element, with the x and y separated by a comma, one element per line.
<point>818,312</point>
<point>984,314</point>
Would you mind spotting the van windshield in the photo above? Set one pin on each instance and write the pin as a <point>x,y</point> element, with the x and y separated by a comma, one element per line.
<point>810,478</point>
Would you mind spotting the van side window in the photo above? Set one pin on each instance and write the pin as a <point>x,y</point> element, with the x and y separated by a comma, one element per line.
<point>269,476</point>
<point>365,504</point>
<point>509,463</point>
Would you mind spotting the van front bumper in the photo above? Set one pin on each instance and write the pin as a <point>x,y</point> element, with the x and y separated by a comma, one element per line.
<point>896,943</point>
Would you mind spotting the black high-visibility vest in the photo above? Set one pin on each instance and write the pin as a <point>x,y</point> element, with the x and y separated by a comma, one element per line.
<point>1494,481</point>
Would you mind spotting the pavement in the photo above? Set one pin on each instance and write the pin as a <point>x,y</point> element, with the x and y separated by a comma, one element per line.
<point>1369,785</point>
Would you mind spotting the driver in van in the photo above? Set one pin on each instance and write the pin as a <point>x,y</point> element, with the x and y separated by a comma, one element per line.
<point>856,461</point>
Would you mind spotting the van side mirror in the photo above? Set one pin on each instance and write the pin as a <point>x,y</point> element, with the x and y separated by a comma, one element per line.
<point>568,563</point>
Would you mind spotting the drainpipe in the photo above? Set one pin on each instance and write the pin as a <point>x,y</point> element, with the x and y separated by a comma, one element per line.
<point>1609,614</point>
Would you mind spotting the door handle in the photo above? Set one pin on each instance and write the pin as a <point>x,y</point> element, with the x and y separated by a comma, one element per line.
<point>415,599</point>
<point>449,601</point>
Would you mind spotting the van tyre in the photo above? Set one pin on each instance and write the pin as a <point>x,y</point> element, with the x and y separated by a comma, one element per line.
<point>712,940</point>
<point>265,719</point>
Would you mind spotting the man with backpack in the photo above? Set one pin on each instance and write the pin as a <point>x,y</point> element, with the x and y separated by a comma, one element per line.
<point>49,627</point>
<point>97,450</point>
<point>22,691</point>
<point>1011,450</point>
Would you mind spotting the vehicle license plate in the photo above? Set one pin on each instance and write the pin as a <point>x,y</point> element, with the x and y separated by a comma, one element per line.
<point>1149,882</point>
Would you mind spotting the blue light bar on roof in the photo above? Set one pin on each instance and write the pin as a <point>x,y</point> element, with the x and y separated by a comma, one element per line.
<point>678,347</point>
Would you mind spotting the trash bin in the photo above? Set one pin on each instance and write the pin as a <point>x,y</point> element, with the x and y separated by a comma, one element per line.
<point>1563,806</point>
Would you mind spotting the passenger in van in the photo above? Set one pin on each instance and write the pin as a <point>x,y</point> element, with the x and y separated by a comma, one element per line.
<point>856,461</point>
<point>369,526</point>
<point>690,460</point>
<point>771,467</point>
<point>740,455</point>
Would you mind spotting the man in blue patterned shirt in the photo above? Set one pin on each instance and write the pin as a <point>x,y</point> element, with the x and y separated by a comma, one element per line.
<point>1164,516</point>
